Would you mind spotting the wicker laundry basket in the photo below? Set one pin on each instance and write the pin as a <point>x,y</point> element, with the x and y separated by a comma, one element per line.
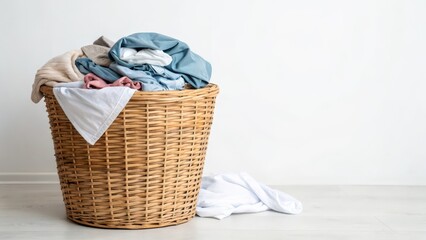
<point>145,171</point>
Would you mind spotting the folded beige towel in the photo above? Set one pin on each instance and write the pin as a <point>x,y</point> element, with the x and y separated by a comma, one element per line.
<point>58,69</point>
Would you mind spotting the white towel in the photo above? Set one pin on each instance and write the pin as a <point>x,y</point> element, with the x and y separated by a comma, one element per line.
<point>224,194</point>
<point>91,111</point>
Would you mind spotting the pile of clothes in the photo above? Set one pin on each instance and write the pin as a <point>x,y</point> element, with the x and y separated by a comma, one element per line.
<point>102,77</point>
<point>144,61</point>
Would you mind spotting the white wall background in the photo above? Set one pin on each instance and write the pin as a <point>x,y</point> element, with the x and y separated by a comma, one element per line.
<point>312,92</point>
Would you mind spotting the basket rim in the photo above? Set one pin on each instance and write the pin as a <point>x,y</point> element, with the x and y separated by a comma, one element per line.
<point>209,87</point>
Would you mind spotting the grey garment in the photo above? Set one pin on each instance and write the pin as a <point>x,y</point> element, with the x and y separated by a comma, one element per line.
<point>98,51</point>
<point>98,54</point>
<point>103,41</point>
<point>153,79</point>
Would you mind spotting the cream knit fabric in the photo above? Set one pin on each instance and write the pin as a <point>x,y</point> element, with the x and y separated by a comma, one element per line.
<point>58,69</point>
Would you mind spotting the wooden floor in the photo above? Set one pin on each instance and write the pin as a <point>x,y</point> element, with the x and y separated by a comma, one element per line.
<point>331,212</point>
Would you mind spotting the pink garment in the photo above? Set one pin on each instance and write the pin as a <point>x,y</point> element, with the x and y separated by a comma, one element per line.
<point>91,81</point>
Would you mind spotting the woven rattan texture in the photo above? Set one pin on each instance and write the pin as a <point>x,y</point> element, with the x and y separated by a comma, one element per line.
<point>145,171</point>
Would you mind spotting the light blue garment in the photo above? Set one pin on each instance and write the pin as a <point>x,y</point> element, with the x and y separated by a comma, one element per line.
<point>85,65</point>
<point>193,68</point>
<point>153,78</point>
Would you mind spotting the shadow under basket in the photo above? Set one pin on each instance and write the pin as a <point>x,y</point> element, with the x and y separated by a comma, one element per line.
<point>145,171</point>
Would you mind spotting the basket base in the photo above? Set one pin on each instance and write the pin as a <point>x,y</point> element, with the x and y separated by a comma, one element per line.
<point>133,226</point>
